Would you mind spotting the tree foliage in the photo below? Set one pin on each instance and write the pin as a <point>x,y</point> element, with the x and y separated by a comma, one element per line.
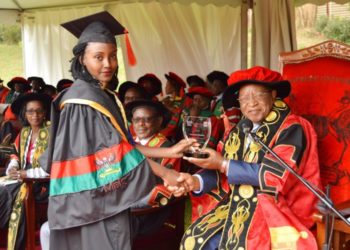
<point>10,34</point>
<point>337,28</point>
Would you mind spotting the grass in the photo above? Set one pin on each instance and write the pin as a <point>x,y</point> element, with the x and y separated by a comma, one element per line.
<point>309,36</point>
<point>11,62</point>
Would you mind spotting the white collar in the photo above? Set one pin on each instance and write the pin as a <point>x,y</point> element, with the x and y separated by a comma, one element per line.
<point>143,142</point>
<point>256,126</point>
<point>219,97</point>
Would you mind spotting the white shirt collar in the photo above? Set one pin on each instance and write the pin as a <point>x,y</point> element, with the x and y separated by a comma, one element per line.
<point>143,142</point>
<point>219,97</point>
<point>256,126</point>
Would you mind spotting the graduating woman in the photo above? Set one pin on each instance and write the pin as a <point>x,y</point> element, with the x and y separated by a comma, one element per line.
<point>97,173</point>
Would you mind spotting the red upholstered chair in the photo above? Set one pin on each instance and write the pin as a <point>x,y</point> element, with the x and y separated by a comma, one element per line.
<point>320,78</point>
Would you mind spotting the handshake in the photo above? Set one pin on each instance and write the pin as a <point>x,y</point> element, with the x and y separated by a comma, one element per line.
<point>182,183</point>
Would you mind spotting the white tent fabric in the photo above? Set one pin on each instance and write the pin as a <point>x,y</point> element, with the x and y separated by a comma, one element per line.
<point>187,39</point>
<point>23,5</point>
<point>48,47</point>
<point>275,34</point>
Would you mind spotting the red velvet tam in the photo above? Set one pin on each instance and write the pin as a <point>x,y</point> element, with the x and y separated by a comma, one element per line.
<point>154,80</point>
<point>255,75</point>
<point>20,80</point>
<point>174,78</point>
<point>199,91</point>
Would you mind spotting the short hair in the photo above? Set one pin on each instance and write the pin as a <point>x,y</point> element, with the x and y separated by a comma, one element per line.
<point>218,75</point>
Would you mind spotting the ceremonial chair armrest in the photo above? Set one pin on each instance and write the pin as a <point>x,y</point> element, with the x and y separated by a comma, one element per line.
<point>149,210</point>
<point>318,217</point>
<point>29,204</point>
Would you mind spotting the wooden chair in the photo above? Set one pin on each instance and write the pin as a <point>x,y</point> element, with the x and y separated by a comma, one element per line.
<point>36,213</point>
<point>169,235</point>
<point>341,231</point>
<point>320,78</point>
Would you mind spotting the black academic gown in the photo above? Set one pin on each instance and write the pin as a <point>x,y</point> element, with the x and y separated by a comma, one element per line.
<point>96,173</point>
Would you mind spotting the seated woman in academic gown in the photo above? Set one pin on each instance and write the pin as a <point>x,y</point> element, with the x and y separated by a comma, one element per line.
<point>33,110</point>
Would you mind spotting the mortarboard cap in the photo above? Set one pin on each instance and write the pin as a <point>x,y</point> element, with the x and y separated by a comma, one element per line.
<point>100,27</point>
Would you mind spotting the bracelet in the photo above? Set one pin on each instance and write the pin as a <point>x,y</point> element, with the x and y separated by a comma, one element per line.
<point>224,166</point>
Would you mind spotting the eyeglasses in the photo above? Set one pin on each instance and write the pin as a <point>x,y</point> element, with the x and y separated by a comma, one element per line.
<point>143,119</point>
<point>35,111</point>
<point>258,96</point>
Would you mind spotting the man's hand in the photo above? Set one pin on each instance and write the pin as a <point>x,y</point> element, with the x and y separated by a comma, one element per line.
<point>214,160</point>
<point>173,185</point>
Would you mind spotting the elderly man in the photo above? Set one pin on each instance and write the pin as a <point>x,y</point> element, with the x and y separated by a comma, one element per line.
<point>267,207</point>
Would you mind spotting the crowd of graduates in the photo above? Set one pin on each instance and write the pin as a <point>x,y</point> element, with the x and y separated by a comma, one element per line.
<point>197,97</point>
<point>111,150</point>
<point>15,88</point>
<point>155,119</point>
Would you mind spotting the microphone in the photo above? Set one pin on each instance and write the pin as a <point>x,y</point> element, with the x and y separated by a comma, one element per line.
<point>246,126</point>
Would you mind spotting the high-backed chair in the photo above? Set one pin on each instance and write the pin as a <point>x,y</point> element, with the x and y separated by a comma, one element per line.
<point>320,78</point>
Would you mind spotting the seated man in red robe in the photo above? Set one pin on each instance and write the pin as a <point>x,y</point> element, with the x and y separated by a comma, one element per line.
<point>267,207</point>
<point>148,119</point>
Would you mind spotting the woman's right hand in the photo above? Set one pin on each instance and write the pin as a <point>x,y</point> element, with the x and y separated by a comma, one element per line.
<point>12,169</point>
<point>13,173</point>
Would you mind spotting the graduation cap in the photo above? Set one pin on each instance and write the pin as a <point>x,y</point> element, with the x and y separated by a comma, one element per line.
<point>100,27</point>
